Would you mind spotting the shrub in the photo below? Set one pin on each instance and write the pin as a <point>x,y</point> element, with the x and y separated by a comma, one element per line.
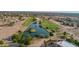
<point>51,34</point>
<point>22,45</point>
<point>18,37</point>
<point>15,38</point>
<point>11,24</point>
<point>76,42</point>
<point>21,18</point>
<point>45,44</point>
<point>62,37</point>
<point>28,40</point>
<point>65,34</point>
<point>46,27</point>
<point>40,22</point>
<point>53,30</point>
<point>36,35</point>
<point>1,42</point>
<point>46,36</point>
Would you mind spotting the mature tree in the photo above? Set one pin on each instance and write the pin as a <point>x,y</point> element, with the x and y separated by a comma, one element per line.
<point>20,17</point>
<point>47,27</point>
<point>45,44</point>
<point>28,40</point>
<point>40,22</point>
<point>33,18</point>
<point>15,38</point>
<point>51,34</point>
<point>18,37</point>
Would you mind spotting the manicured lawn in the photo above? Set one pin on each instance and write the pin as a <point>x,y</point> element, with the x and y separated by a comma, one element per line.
<point>49,25</point>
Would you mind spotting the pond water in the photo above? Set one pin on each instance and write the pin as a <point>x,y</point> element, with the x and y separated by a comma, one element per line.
<point>36,29</point>
<point>66,44</point>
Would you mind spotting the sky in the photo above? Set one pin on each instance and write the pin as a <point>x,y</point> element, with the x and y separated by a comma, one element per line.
<point>39,5</point>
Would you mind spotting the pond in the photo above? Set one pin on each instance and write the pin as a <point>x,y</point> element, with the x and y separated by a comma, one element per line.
<point>35,29</point>
<point>66,44</point>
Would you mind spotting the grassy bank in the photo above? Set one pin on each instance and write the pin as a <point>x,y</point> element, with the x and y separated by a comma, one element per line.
<point>52,26</point>
<point>73,41</point>
<point>28,21</point>
<point>70,38</point>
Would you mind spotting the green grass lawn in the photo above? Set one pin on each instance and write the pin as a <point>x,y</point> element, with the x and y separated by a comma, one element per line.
<point>44,23</point>
<point>28,21</point>
<point>49,25</point>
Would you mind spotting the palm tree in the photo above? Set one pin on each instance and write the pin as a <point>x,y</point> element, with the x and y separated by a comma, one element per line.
<point>18,38</point>
<point>28,40</point>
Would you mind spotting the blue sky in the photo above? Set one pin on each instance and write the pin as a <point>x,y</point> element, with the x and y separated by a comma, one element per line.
<point>39,5</point>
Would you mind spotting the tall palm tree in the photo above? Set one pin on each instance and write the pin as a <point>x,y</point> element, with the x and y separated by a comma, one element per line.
<point>18,38</point>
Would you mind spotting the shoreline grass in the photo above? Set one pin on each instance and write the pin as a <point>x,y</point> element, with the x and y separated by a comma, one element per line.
<point>51,26</point>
